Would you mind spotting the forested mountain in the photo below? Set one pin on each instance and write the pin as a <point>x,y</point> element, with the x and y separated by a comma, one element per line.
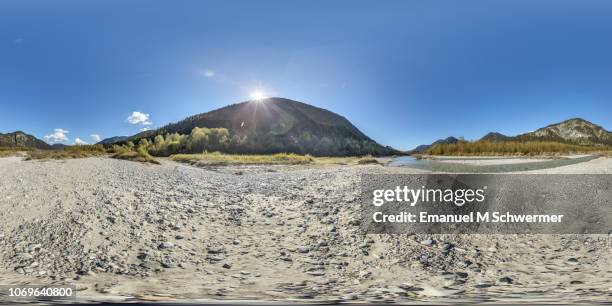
<point>495,137</point>
<point>21,139</point>
<point>276,125</point>
<point>447,140</point>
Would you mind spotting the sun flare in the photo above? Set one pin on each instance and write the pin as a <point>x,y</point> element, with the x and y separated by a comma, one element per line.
<point>258,96</point>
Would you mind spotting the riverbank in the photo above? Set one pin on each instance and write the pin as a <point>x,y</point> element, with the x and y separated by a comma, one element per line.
<point>462,164</point>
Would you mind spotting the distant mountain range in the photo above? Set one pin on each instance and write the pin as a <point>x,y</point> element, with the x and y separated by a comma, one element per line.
<point>423,148</point>
<point>58,146</point>
<point>283,125</point>
<point>572,131</point>
<point>280,125</point>
<point>21,139</point>
<point>575,131</point>
<point>112,140</point>
<point>495,137</point>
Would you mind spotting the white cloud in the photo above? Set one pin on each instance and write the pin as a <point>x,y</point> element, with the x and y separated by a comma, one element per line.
<point>144,129</point>
<point>139,118</point>
<point>95,137</point>
<point>207,73</point>
<point>79,142</point>
<point>59,135</point>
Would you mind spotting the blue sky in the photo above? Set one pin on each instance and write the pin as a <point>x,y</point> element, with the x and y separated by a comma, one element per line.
<point>404,72</point>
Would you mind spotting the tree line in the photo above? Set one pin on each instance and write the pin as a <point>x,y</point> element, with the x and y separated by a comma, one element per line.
<point>463,147</point>
<point>221,140</point>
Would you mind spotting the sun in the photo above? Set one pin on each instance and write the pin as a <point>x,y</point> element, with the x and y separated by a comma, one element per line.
<point>258,96</point>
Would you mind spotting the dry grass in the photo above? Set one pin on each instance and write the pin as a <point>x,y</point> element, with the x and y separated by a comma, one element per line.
<point>139,154</point>
<point>71,152</point>
<point>68,152</point>
<point>349,160</point>
<point>135,156</point>
<point>6,152</point>
<point>367,160</point>
<point>220,159</point>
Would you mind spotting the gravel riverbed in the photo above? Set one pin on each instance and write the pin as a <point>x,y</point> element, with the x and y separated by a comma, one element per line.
<point>120,228</point>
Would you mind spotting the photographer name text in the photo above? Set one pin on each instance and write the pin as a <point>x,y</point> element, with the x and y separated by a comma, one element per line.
<point>486,217</point>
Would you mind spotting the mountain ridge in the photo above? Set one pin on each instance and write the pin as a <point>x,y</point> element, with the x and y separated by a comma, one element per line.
<point>112,140</point>
<point>424,147</point>
<point>495,137</point>
<point>275,125</point>
<point>571,131</point>
<point>21,139</point>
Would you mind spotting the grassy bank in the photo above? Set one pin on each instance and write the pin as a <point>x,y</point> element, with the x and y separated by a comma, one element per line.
<point>6,152</point>
<point>513,148</point>
<point>220,159</point>
<point>139,154</point>
<point>68,152</point>
<point>349,160</point>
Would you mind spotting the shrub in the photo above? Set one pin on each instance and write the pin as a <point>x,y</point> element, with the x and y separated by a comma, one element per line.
<point>140,154</point>
<point>463,147</point>
<point>367,160</point>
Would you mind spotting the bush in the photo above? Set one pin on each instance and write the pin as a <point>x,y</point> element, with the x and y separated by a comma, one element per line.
<point>367,160</point>
<point>140,154</point>
<point>463,147</point>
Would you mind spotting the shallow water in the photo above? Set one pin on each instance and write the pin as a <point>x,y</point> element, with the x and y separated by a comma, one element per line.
<point>436,166</point>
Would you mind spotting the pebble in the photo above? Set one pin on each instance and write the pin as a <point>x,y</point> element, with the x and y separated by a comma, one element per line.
<point>447,247</point>
<point>216,249</point>
<point>576,282</point>
<point>461,274</point>
<point>166,245</point>
<point>483,285</point>
<point>438,292</point>
<point>215,257</point>
<point>448,275</point>
<point>427,242</point>
<point>506,280</point>
<point>168,264</point>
